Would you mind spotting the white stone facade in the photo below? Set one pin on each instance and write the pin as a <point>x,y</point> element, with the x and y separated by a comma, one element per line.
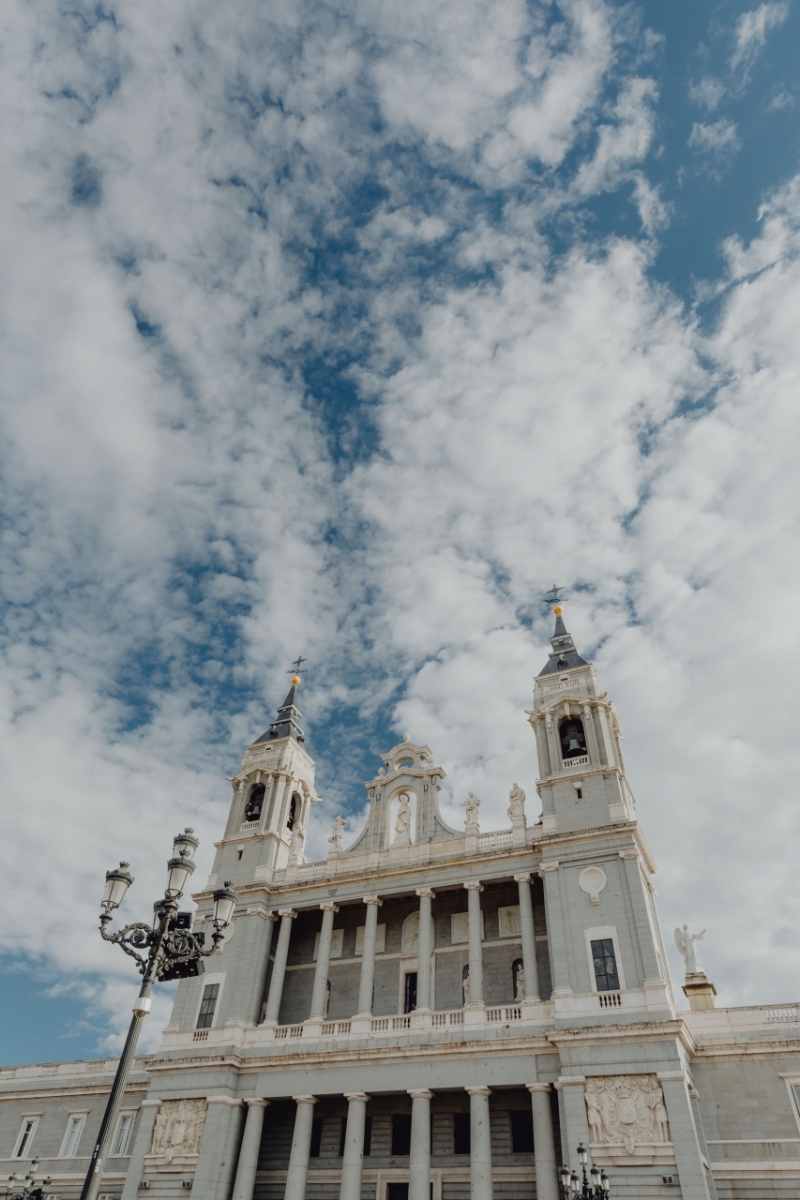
<point>439,1013</point>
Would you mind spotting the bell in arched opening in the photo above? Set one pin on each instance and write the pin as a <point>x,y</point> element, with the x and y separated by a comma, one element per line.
<point>255,802</point>
<point>573,739</point>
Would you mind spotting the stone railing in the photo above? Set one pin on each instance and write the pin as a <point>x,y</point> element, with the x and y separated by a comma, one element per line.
<point>610,999</point>
<point>334,1028</point>
<point>87,1066</point>
<point>569,764</point>
<point>310,870</point>
<point>504,1013</point>
<point>501,837</point>
<point>442,1019</point>
<point>250,825</point>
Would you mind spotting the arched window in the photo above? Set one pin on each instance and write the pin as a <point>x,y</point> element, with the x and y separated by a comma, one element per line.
<point>255,802</point>
<point>294,811</point>
<point>573,739</point>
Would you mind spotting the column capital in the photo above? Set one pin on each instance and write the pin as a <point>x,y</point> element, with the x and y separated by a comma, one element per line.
<point>329,906</point>
<point>257,1102</point>
<point>569,1081</point>
<point>287,912</point>
<point>305,1099</point>
<point>523,878</point>
<point>420,1093</point>
<point>473,885</point>
<point>548,866</point>
<point>356,1096</point>
<point>537,1087</point>
<point>373,900</point>
<point>429,892</point>
<point>478,1091</point>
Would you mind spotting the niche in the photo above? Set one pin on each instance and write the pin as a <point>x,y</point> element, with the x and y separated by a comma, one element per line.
<point>294,811</point>
<point>255,803</point>
<point>573,739</point>
<point>401,818</point>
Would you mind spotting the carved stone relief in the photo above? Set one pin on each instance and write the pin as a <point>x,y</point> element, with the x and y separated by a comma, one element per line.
<point>508,921</point>
<point>178,1129</point>
<point>626,1109</point>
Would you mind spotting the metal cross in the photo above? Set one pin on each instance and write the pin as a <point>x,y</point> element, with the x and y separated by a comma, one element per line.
<point>553,596</point>
<point>296,665</point>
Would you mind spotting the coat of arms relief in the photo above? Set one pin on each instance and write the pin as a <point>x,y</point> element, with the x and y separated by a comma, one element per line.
<point>178,1129</point>
<point>627,1110</point>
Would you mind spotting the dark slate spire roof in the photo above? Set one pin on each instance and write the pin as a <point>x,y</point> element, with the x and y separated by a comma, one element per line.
<point>563,656</point>
<point>287,723</point>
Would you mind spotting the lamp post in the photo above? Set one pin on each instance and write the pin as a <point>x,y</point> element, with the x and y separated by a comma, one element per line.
<point>27,1189</point>
<point>573,1186</point>
<point>169,950</point>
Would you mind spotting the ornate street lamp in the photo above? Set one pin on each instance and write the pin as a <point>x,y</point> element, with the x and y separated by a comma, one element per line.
<point>573,1186</point>
<point>165,950</point>
<point>27,1188</point>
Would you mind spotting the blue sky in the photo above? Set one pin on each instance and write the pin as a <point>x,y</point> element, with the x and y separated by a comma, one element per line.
<point>346,331</point>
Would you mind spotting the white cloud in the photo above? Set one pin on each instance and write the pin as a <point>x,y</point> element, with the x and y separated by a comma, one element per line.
<point>751,33</point>
<point>708,93</point>
<point>720,140</point>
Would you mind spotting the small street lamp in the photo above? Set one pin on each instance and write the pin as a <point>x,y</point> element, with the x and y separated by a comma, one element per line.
<point>164,951</point>
<point>572,1186</point>
<point>27,1188</point>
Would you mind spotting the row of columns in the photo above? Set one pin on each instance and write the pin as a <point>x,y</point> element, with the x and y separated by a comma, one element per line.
<point>424,951</point>
<point>419,1172</point>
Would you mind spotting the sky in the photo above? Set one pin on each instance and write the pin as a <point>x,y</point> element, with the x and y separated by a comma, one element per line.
<point>346,331</point>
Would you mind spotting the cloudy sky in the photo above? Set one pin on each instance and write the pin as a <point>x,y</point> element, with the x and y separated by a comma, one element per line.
<point>346,330</point>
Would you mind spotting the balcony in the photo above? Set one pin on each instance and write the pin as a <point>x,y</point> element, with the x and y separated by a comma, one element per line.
<point>571,764</point>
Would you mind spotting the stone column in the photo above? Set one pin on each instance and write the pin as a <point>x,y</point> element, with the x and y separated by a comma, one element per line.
<point>353,1160</point>
<point>528,933</point>
<point>141,1146</point>
<point>216,1160</point>
<point>544,1146</point>
<point>424,949</point>
<point>320,988</point>
<point>576,1123</point>
<point>248,1154</point>
<point>588,728</point>
<point>557,939</point>
<point>301,1146</point>
<point>287,915</point>
<point>480,1155</point>
<point>419,1171</point>
<point>474,889</point>
<point>368,956</point>
<point>684,1135</point>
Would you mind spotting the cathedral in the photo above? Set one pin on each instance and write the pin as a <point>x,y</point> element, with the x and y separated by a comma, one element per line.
<point>435,1013</point>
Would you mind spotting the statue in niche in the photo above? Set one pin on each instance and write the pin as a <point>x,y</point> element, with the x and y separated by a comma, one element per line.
<point>335,840</point>
<point>465,986</point>
<point>327,1002</point>
<point>686,943</point>
<point>518,969</point>
<point>298,842</point>
<point>516,809</point>
<point>403,826</point>
<point>471,808</point>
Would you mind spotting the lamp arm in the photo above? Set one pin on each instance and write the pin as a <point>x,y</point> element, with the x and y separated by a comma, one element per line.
<point>131,938</point>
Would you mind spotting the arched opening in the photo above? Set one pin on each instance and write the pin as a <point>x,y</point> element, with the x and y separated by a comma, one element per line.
<point>573,739</point>
<point>255,803</point>
<point>294,811</point>
<point>518,979</point>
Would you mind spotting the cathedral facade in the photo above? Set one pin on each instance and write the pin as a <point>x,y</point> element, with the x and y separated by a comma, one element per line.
<point>437,1014</point>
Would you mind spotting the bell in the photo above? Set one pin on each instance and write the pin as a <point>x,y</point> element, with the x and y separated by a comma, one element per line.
<point>574,745</point>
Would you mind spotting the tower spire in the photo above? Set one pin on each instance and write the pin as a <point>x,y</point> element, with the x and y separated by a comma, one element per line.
<point>287,723</point>
<point>563,655</point>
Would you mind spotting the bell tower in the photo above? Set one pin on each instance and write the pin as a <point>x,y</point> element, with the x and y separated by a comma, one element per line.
<point>582,781</point>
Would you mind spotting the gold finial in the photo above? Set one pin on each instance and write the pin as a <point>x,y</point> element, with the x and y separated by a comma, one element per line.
<point>558,610</point>
<point>295,680</point>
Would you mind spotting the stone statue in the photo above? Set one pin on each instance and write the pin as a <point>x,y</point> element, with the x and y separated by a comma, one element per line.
<point>335,840</point>
<point>685,941</point>
<point>471,806</point>
<point>519,981</point>
<point>298,841</point>
<point>403,826</point>
<point>516,809</point>
<point>465,986</point>
<point>595,1118</point>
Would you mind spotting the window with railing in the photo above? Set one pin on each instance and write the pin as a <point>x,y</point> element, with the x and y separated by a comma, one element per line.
<point>604,960</point>
<point>205,1018</point>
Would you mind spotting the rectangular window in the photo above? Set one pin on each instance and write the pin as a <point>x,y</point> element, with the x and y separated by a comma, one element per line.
<point>521,1132</point>
<point>401,1134</point>
<point>367,1137</point>
<point>410,995</point>
<point>205,1018</point>
<point>605,965</point>
<point>462,1143</point>
<point>316,1137</point>
<point>25,1137</point>
<point>397,1191</point>
<point>70,1144</point>
<point>120,1142</point>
